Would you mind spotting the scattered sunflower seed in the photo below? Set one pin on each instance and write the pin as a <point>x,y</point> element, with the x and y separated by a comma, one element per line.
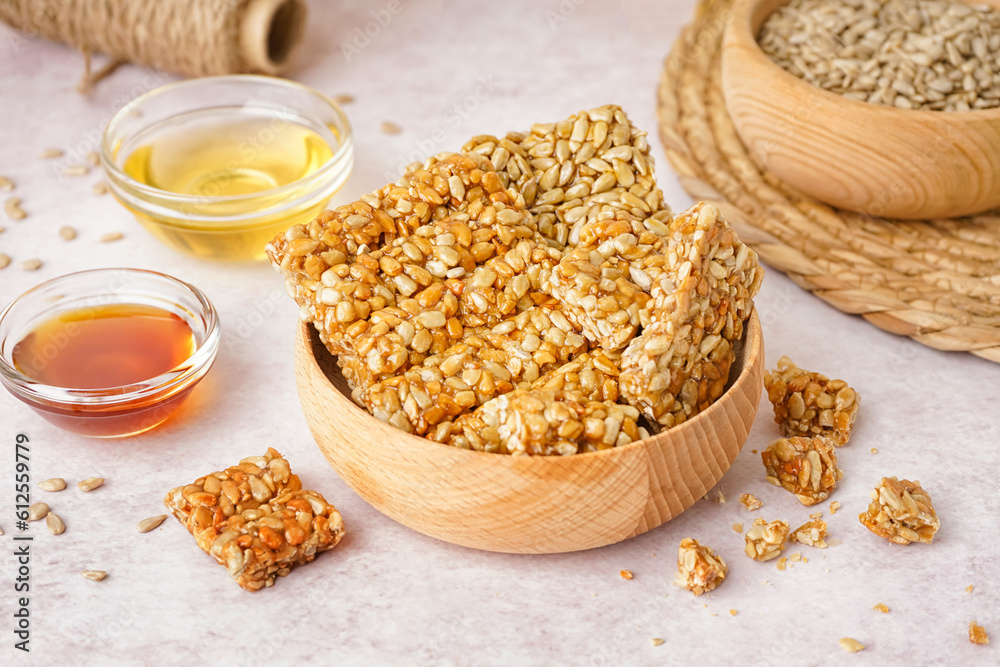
<point>94,575</point>
<point>55,524</point>
<point>94,159</point>
<point>6,185</point>
<point>67,233</point>
<point>151,523</point>
<point>4,260</point>
<point>110,236</point>
<point>32,264</point>
<point>388,127</point>
<point>851,645</point>
<point>90,484</point>
<point>344,98</point>
<point>12,207</point>
<point>50,153</point>
<point>54,484</point>
<point>37,511</point>
<point>76,170</point>
<point>100,188</point>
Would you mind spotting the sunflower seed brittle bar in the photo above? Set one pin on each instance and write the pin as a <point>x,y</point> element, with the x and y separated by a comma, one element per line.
<point>699,569</point>
<point>680,363</point>
<point>810,404</point>
<point>806,467</point>
<point>256,520</point>
<point>901,512</point>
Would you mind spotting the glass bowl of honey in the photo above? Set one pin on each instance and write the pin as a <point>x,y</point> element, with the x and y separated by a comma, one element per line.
<point>215,167</point>
<point>109,352</point>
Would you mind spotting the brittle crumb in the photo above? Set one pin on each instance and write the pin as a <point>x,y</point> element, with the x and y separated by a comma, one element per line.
<point>751,502</point>
<point>738,527</point>
<point>815,515</point>
<point>834,506</point>
<point>969,588</point>
<point>733,612</point>
<point>699,569</point>
<point>795,557</point>
<point>782,563</point>
<point>657,641</point>
<point>874,450</point>
<point>721,499</point>
<point>764,540</point>
<point>812,533</point>
<point>881,607</point>
<point>851,645</point>
<point>977,634</point>
<point>626,574</point>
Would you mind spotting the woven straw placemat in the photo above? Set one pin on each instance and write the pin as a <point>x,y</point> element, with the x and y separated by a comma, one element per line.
<point>936,281</point>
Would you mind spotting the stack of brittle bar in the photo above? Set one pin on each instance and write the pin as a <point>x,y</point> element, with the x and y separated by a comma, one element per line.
<point>530,295</point>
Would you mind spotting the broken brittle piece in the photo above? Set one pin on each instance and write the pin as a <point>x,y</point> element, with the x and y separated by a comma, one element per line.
<point>812,533</point>
<point>256,520</point>
<point>803,466</point>
<point>750,501</point>
<point>679,364</point>
<point>901,512</point>
<point>977,634</point>
<point>699,569</point>
<point>808,404</point>
<point>764,540</point>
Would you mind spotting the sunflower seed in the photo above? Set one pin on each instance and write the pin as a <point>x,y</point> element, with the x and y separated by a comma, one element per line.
<point>32,264</point>
<point>4,260</point>
<point>110,237</point>
<point>55,524</point>
<point>6,185</point>
<point>12,207</point>
<point>151,523</point>
<point>94,575</point>
<point>344,98</point>
<point>94,159</point>
<point>54,484</point>
<point>76,170</point>
<point>388,127</point>
<point>50,153</point>
<point>37,511</point>
<point>90,484</point>
<point>67,233</point>
<point>100,188</point>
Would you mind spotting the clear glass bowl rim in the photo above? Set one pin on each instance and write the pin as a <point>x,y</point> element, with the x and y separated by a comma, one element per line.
<point>343,153</point>
<point>194,366</point>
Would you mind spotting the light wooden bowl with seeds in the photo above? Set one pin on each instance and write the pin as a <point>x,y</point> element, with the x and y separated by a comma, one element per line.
<point>874,159</point>
<point>527,504</point>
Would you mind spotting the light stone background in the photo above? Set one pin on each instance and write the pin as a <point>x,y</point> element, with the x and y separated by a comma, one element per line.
<point>388,595</point>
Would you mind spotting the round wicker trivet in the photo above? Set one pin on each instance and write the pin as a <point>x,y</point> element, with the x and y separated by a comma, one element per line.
<point>936,281</point>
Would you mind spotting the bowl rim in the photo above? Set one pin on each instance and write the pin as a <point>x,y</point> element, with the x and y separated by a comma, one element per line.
<point>752,349</point>
<point>341,159</point>
<point>188,372</point>
<point>739,27</point>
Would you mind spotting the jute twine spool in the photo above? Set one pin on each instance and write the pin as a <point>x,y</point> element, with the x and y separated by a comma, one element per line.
<point>190,37</point>
<point>936,281</point>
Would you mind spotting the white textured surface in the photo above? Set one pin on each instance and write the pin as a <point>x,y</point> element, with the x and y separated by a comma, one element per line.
<point>389,595</point>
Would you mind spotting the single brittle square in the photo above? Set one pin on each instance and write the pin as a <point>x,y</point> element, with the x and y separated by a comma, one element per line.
<point>256,520</point>
<point>808,404</point>
<point>699,569</point>
<point>812,533</point>
<point>764,540</point>
<point>901,512</point>
<point>803,466</point>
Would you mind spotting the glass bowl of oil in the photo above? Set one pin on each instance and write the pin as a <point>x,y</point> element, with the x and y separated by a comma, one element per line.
<point>108,352</point>
<point>216,167</point>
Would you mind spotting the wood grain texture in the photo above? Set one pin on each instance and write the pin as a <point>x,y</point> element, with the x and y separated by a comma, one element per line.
<point>869,158</point>
<point>526,504</point>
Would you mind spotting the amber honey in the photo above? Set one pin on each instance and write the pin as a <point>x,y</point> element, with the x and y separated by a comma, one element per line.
<point>101,348</point>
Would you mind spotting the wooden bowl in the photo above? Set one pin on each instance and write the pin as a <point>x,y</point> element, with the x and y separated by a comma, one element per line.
<point>526,504</point>
<point>874,159</point>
